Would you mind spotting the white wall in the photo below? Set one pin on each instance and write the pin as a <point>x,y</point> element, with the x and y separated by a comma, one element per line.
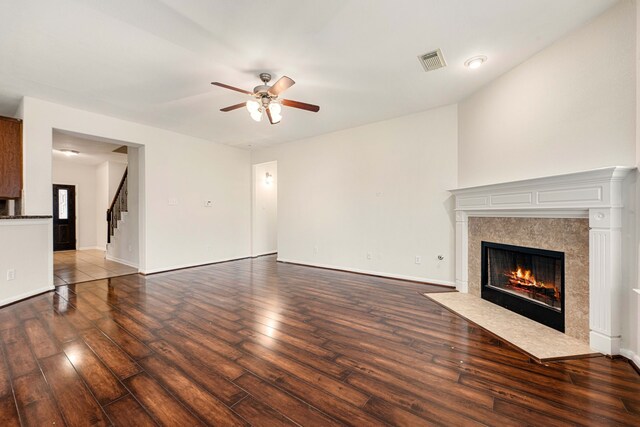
<point>102,203</point>
<point>29,254</point>
<point>264,234</point>
<point>84,179</point>
<point>631,326</point>
<point>176,168</point>
<point>571,107</point>
<point>378,189</point>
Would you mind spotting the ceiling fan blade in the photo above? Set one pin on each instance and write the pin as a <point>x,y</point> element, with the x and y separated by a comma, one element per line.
<point>280,86</point>
<point>233,107</point>
<point>301,105</point>
<point>271,118</point>
<point>232,88</point>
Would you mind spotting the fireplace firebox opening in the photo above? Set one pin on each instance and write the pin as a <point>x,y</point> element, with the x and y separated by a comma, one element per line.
<point>528,281</point>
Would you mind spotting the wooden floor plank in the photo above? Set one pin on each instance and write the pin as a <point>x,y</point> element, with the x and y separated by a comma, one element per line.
<point>295,409</point>
<point>127,412</point>
<point>130,344</point>
<point>8,412</point>
<point>195,397</point>
<point>112,355</point>
<point>20,358</point>
<point>201,371</point>
<point>42,344</point>
<point>36,405</point>
<point>256,342</point>
<point>159,403</point>
<point>261,415</point>
<point>103,384</point>
<point>77,404</point>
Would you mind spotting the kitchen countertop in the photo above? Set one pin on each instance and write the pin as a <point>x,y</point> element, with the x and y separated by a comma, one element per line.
<point>25,217</point>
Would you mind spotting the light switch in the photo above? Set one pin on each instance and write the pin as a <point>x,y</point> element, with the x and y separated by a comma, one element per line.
<point>173,202</point>
<point>208,203</point>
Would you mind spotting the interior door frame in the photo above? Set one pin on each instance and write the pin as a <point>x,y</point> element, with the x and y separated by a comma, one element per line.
<point>72,216</point>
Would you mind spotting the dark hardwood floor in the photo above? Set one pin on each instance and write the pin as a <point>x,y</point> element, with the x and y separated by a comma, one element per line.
<point>255,342</point>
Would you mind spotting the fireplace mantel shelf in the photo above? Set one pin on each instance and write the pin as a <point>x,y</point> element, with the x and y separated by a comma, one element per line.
<point>596,194</point>
<point>570,193</point>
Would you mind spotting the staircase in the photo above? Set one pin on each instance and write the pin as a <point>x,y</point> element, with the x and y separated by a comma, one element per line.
<point>118,207</point>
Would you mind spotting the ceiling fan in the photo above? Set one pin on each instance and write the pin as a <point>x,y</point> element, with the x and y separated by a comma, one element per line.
<point>266,99</point>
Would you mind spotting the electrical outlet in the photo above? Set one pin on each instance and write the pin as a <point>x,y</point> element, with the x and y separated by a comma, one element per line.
<point>418,259</point>
<point>368,255</point>
<point>315,249</point>
<point>11,274</point>
<point>208,203</point>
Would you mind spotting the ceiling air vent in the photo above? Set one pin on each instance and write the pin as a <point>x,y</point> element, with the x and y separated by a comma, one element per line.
<point>432,60</point>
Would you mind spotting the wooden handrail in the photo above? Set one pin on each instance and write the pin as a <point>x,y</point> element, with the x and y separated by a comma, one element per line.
<point>117,206</point>
<point>115,197</point>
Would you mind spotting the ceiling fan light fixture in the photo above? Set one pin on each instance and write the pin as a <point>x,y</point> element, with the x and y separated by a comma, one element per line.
<point>276,111</point>
<point>256,115</point>
<point>265,99</point>
<point>253,105</point>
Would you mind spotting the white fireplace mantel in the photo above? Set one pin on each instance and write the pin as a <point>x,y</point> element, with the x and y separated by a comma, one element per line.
<point>595,194</point>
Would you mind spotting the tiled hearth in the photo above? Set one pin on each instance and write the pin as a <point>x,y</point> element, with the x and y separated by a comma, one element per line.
<point>579,214</point>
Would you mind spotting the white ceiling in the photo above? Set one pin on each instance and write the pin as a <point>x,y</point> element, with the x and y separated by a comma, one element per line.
<point>151,61</point>
<point>92,150</point>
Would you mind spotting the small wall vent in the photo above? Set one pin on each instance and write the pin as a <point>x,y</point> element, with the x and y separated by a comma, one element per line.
<point>432,60</point>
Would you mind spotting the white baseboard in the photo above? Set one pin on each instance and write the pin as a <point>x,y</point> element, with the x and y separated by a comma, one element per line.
<point>26,295</point>
<point>121,261</point>
<point>425,280</point>
<point>86,248</point>
<point>264,253</point>
<point>462,286</point>
<point>604,344</point>
<point>633,357</point>
<point>192,265</point>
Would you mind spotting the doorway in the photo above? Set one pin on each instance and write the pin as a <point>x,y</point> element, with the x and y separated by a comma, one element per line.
<point>64,217</point>
<point>265,209</point>
<point>89,174</point>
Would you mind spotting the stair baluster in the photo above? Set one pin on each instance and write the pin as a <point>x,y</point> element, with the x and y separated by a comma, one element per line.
<point>117,207</point>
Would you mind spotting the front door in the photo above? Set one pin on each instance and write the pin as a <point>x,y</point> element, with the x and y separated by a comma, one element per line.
<point>64,217</point>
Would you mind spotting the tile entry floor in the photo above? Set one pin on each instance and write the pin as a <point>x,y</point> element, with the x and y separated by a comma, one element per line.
<point>71,267</point>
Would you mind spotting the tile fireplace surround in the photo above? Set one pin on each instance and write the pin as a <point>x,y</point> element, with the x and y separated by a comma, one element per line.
<point>595,196</point>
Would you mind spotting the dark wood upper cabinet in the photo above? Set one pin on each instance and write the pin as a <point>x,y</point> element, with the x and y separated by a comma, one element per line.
<point>10,158</point>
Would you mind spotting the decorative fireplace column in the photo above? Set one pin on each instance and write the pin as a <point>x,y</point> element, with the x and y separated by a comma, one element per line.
<point>605,279</point>
<point>462,250</point>
<point>595,194</point>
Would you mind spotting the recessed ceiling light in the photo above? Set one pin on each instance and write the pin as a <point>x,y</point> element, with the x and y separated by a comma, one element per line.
<point>475,62</point>
<point>69,152</point>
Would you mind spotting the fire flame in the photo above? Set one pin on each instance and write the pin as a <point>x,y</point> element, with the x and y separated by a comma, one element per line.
<point>526,275</point>
<point>525,278</point>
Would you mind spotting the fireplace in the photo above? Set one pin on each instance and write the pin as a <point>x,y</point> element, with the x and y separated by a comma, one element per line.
<point>528,281</point>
